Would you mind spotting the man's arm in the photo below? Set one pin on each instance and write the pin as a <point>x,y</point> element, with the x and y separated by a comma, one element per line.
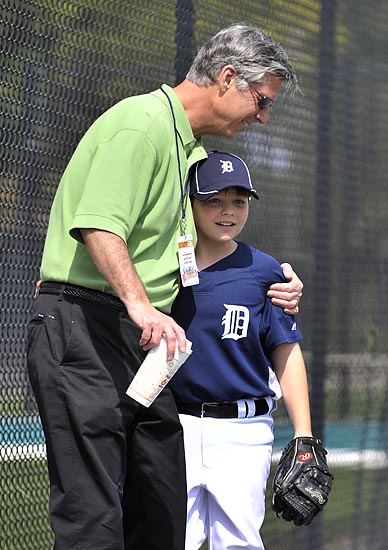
<point>287,295</point>
<point>110,255</point>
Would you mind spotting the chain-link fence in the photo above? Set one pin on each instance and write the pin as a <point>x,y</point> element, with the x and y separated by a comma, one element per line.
<point>321,170</point>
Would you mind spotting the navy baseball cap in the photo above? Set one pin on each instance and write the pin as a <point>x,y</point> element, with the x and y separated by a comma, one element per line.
<point>217,172</point>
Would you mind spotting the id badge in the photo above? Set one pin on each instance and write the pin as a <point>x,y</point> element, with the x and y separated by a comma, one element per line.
<point>187,263</point>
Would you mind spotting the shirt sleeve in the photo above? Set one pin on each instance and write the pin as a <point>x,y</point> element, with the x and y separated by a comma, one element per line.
<point>117,185</point>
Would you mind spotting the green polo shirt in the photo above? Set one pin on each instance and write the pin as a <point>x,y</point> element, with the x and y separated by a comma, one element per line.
<point>123,178</point>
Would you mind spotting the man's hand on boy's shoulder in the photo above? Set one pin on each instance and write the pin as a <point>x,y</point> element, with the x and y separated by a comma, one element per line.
<point>287,295</point>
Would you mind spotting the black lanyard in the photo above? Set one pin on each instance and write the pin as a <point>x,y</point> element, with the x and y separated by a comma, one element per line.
<point>184,189</point>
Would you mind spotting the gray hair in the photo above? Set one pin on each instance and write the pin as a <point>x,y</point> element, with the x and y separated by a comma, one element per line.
<point>252,52</point>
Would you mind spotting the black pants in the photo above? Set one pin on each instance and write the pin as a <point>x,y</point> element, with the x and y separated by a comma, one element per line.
<point>116,468</point>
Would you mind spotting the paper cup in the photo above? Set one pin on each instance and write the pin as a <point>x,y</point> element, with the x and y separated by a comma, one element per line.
<point>155,372</point>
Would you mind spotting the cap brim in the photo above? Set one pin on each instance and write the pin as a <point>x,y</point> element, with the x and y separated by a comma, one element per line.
<point>204,196</point>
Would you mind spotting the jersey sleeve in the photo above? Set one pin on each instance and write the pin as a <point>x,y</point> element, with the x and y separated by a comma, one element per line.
<point>276,327</point>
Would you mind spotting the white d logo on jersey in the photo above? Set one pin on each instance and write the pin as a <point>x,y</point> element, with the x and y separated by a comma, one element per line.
<point>235,321</point>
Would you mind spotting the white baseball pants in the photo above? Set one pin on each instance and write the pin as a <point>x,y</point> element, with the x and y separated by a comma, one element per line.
<point>228,463</point>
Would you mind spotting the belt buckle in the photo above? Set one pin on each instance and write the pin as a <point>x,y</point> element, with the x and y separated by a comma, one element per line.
<point>204,405</point>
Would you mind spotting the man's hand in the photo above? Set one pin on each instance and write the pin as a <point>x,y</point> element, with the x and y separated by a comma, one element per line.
<point>156,325</point>
<point>287,295</point>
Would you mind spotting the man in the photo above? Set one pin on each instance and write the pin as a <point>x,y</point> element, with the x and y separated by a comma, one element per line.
<point>109,276</point>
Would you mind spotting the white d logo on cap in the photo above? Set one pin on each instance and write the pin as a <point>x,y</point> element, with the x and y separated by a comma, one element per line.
<point>227,166</point>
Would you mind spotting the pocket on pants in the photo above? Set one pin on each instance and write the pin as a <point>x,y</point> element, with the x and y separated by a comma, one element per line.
<point>34,326</point>
<point>51,328</point>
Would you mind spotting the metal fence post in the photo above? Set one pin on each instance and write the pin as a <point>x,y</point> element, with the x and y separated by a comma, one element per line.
<point>322,272</point>
<point>184,38</point>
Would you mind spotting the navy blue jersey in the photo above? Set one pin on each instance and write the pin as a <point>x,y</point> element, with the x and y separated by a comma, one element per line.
<point>233,327</point>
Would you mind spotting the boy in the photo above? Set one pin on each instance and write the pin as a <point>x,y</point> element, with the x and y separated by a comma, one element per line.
<point>246,356</point>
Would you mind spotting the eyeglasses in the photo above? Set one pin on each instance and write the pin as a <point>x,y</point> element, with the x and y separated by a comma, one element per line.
<point>263,102</point>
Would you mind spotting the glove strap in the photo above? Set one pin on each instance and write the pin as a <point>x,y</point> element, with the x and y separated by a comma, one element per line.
<point>314,442</point>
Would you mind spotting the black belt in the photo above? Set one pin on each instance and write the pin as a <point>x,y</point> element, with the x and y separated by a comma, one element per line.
<point>75,291</point>
<point>220,410</point>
